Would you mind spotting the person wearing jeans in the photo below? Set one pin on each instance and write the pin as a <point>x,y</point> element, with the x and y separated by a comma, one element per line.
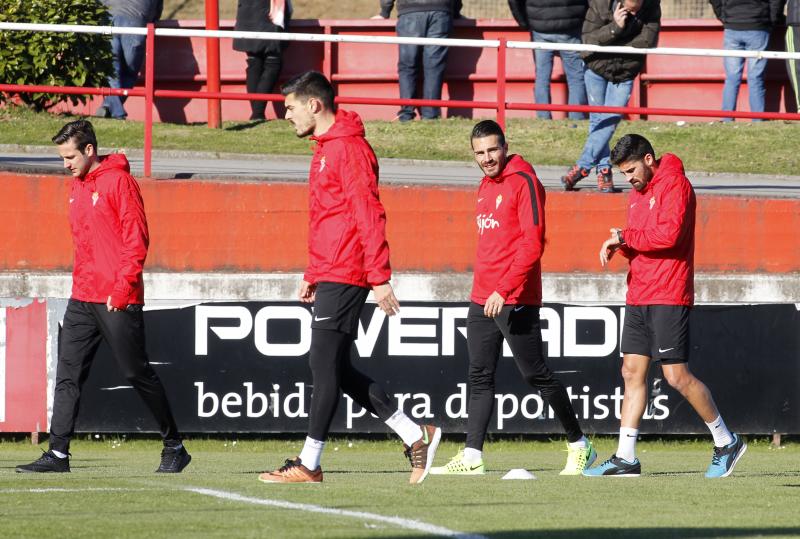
<point>748,24</point>
<point>554,22</point>
<point>609,77</point>
<point>596,150</point>
<point>793,45</point>
<point>127,50</point>
<point>421,18</point>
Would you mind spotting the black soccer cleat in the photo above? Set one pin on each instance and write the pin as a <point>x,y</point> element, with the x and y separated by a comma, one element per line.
<point>47,463</point>
<point>174,460</point>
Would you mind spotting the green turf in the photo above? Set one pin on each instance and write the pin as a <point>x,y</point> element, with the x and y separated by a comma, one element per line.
<point>764,148</point>
<point>671,499</point>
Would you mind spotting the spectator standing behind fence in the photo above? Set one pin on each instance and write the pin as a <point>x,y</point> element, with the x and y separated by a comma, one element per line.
<point>609,76</point>
<point>263,56</point>
<point>793,45</point>
<point>127,50</point>
<point>748,24</point>
<point>554,21</point>
<point>421,18</point>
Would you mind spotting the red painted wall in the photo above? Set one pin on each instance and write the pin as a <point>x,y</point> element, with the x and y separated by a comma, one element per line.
<point>371,70</point>
<point>227,226</point>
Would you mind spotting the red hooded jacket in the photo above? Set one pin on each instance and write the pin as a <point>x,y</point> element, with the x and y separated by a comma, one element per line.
<point>109,234</point>
<point>659,238</point>
<point>347,226</point>
<point>510,218</point>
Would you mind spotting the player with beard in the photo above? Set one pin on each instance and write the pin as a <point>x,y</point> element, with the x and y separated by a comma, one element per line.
<point>348,256</point>
<point>659,242</point>
<point>506,297</point>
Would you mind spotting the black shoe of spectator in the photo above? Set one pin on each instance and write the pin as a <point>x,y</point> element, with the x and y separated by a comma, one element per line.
<point>48,462</point>
<point>174,460</point>
<point>102,112</point>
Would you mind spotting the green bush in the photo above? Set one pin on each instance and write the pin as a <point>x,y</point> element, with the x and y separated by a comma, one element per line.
<point>54,59</point>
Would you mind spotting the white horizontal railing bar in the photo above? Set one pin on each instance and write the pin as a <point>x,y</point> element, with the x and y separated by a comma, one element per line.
<point>394,40</point>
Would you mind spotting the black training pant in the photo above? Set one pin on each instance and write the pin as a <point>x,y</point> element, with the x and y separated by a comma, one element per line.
<point>333,330</point>
<point>520,326</point>
<point>261,75</point>
<point>85,324</point>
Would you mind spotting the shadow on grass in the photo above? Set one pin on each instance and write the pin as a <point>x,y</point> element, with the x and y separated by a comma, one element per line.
<point>244,126</point>
<point>617,533</point>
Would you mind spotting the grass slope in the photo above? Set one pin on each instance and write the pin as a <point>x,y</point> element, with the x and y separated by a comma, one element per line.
<point>764,148</point>
<point>672,499</point>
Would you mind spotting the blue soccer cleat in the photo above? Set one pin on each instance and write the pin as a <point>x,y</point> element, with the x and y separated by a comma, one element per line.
<point>616,467</point>
<point>725,458</point>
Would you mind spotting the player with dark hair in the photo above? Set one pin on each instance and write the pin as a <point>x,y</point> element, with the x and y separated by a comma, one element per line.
<point>348,257</point>
<point>659,242</point>
<point>506,297</point>
<point>109,233</point>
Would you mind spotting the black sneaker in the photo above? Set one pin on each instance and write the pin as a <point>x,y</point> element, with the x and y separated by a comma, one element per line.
<point>174,460</point>
<point>573,176</point>
<point>47,463</point>
<point>605,180</point>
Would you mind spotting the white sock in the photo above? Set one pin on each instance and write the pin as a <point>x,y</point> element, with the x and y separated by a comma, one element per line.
<point>583,443</point>
<point>722,436</point>
<point>409,431</point>
<point>472,456</point>
<point>59,454</point>
<point>626,449</point>
<point>311,453</point>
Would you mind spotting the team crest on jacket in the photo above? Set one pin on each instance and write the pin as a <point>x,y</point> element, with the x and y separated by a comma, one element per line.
<point>95,197</point>
<point>652,202</point>
<point>498,201</point>
<point>322,164</point>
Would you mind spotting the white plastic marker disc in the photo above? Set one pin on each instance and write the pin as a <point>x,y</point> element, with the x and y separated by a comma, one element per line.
<point>519,473</point>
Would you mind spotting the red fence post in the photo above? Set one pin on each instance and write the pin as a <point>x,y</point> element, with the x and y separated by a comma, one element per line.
<point>212,64</point>
<point>501,83</point>
<point>149,91</point>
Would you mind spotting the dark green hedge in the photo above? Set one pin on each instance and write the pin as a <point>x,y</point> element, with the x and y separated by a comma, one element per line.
<point>54,59</point>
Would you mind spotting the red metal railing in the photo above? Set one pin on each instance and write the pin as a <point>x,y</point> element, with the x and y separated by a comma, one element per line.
<point>500,105</point>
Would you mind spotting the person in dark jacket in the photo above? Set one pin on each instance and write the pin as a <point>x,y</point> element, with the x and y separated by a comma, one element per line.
<point>748,24</point>
<point>609,76</point>
<point>421,18</point>
<point>348,256</point>
<point>793,45</point>
<point>659,242</point>
<point>127,50</point>
<point>558,21</point>
<point>264,57</point>
<point>109,233</point>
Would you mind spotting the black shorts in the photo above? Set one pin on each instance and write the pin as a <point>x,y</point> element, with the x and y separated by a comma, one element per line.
<point>337,307</point>
<point>660,332</point>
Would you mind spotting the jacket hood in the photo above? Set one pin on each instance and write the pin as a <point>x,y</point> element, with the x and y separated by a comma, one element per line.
<point>514,164</point>
<point>114,161</point>
<point>669,166</point>
<point>347,124</point>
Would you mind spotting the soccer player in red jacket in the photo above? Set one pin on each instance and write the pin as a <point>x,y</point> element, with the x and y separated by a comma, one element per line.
<point>109,234</point>
<point>659,243</point>
<point>506,297</point>
<point>348,256</point>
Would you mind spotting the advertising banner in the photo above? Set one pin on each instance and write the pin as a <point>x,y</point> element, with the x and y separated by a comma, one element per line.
<point>243,367</point>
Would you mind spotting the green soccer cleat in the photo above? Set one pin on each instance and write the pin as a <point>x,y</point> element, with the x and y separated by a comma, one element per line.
<point>457,466</point>
<point>579,459</point>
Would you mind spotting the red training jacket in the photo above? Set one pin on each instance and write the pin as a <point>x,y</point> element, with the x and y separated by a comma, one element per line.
<point>660,238</point>
<point>510,218</point>
<point>109,234</point>
<point>347,226</point>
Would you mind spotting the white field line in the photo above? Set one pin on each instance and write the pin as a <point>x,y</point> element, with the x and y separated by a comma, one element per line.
<point>405,523</point>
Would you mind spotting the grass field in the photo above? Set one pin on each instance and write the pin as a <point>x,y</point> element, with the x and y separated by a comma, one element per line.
<point>112,492</point>
<point>764,148</point>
